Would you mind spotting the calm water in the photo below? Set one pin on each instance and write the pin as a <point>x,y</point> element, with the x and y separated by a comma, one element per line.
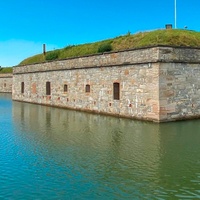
<point>50,153</point>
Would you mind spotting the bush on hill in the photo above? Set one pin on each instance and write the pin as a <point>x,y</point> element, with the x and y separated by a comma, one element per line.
<point>105,48</point>
<point>52,55</point>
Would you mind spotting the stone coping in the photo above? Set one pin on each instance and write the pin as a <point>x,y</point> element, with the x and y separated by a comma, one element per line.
<point>129,57</point>
<point>126,50</point>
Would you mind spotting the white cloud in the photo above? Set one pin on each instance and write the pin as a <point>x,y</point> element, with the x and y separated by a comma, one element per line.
<point>12,52</point>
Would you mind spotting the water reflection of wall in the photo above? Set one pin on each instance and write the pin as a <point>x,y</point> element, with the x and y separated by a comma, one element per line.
<point>124,137</point>
<point>5,108</point>
<point>178,171</point>
<point>147,157</point>
<point>108,146</point>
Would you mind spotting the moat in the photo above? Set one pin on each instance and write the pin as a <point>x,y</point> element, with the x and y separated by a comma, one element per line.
<point>52,153</point>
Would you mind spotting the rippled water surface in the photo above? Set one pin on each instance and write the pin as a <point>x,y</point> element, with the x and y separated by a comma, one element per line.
<point>51,153</point>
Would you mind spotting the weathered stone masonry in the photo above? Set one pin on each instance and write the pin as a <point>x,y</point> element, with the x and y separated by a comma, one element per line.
<point>6,83</point>
<point>156,83</point>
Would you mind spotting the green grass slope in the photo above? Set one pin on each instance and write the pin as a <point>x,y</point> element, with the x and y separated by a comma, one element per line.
<point>172,37</point>
<point>6,70</point>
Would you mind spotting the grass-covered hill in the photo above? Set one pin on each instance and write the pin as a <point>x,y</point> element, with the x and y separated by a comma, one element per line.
<point>6,70</point>
<point>172,37</point>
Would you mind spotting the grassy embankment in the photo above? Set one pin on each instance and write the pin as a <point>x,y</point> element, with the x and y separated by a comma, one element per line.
<point>159,37</point>
<point>6,70</point>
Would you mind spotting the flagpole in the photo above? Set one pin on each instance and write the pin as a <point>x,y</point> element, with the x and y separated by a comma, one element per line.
<point>175,14</point>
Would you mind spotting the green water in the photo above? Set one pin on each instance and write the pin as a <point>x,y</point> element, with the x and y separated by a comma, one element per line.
<point>51,153</point>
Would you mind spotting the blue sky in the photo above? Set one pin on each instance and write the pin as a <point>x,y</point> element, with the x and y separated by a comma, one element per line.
<point>27,24</point>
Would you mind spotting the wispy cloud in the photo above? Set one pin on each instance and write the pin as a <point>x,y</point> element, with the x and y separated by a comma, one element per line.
<point>12,52</point>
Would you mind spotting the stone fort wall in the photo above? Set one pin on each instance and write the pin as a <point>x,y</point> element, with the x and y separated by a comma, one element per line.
<point>155,83</point>
<point>6,83</point>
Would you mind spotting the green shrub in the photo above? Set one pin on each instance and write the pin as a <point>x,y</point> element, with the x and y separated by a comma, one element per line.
<point>105,48</point>
<point>53,55</point>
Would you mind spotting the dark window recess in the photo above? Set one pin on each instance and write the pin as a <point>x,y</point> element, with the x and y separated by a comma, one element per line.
<point>4,84</point>
<point>65,88</point>
<point>87,88</point>
<point>22,87</point>
<point>48,88</point>
<point>116,91</point>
